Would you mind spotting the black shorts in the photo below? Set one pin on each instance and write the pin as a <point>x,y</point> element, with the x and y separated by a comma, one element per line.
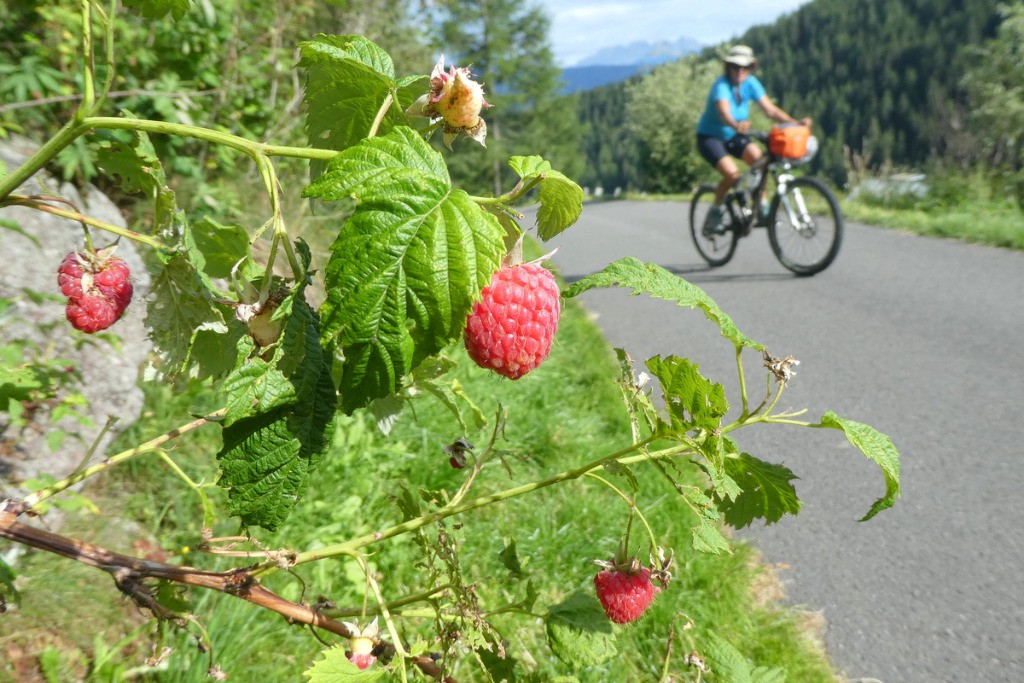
<point>715,149</point>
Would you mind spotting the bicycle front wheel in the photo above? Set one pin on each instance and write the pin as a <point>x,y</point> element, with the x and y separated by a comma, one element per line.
<point>805,226</point>
<point>715,244</point>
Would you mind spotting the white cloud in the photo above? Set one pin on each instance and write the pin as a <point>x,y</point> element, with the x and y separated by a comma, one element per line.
<point>580,27</point>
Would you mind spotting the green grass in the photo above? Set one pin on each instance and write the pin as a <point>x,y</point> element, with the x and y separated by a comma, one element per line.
<point>992,223</point>
<point>562,415</point>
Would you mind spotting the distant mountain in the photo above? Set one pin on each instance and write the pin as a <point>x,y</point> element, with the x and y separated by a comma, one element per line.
<point>614,64</point>
<point>589,77</point>
<point>642,52</point>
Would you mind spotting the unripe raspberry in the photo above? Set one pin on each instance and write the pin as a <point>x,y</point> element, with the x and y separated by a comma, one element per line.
<point>98,286</point>
<point>511,328</point>
<point>362,644</point>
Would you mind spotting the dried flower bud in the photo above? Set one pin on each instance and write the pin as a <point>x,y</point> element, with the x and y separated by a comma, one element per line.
<point>782,368</point>
<point>456,99</point>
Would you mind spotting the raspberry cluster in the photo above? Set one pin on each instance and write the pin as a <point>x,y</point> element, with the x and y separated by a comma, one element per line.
<point>511,328</point>
<point>98,286</point>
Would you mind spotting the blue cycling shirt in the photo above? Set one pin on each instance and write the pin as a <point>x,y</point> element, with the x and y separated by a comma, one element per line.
<point>750,90</point>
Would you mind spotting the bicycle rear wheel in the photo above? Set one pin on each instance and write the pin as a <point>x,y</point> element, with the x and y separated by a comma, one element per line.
<point>716,246</point>
<point>805,226</point>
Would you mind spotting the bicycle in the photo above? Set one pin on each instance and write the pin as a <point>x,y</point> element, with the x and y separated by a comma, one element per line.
<point>803,218</point>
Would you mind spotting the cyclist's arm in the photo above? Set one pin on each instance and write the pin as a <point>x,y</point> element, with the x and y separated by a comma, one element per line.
<point>725,116</point>
<point>775,113</point>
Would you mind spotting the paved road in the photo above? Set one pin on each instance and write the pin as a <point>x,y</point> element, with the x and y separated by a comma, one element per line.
<point>920,338</point>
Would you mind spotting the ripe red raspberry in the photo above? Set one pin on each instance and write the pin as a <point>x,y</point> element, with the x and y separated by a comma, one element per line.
<point>625,595</point>
<point>98,286</point>
<point>511,327</point>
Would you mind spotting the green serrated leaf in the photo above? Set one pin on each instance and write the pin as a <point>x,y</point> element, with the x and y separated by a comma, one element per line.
<point>266,460</point>
<point>454,397</point>
<point>692,401</point>
<point>642,413</point>
<point>726,661</point>
<point>706,534</point>
<point>222,246</point>
<point>561,199</point>
<point>618,469</point>
<point>279,420</point>
<point>180,306</point>
<point>707,538</point>
<point>579,632</point>
<point>764,674</point>
<point>348,79</point>
<point>506,669</point>
<point>408,265</point>
<point>408,503</point>
<point>7,576</point>
<point>23,382</point>
<point>510,559</point>
<point>530,599</point>
<point>335,668</point>
<point>652,279</point>
<point>136,164</point>
<point>713,448</point>
<point>385,411</point>
<point>765,491</point>
<point>256,386</point>
<point>875,446</point>
<point>157,9</point>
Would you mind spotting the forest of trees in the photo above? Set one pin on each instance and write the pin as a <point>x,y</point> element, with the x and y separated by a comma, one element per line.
<point>211,66</point>
<point>907,83</point>
<point>889,80</point>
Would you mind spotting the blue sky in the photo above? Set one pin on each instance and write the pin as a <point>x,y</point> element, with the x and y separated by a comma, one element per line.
<point>580,28</point>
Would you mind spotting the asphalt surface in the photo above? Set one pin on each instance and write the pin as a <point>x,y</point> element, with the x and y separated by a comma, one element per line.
<point>920,338</point>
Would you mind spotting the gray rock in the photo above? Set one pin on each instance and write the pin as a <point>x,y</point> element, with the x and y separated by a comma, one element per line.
<point>110,372</point>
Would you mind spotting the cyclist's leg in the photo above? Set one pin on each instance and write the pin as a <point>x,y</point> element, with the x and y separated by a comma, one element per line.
<point>715,152</point>
<point>730,173</point>
<point>736,147</point>
<point>752,153</point>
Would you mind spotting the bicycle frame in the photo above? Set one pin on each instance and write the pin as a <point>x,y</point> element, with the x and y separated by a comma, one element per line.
<point>781,170</point>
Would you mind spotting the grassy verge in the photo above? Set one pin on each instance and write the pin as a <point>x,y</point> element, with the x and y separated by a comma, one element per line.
<point>998,225</point>
<point>564,414</point>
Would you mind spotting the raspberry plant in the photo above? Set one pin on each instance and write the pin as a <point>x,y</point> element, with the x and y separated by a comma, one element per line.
<point>407,266</point>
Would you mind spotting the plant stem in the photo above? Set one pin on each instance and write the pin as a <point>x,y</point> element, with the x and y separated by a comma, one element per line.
<point>743,380</point>
<point>394,605</point>
<point>89,92</point>
<point>82,124</point>
<point>199,133</point>
<point>20,200</point>
<point>633,508</point>
<point>64,137</point>
<point>512,195</point>
<point>346,547</point>
<point>39,496</point>
<point>395,638</point>
<point>208,514</point>
<point>381,113</point>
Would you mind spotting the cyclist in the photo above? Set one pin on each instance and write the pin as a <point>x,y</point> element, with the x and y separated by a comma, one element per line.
<point>723,127</point>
